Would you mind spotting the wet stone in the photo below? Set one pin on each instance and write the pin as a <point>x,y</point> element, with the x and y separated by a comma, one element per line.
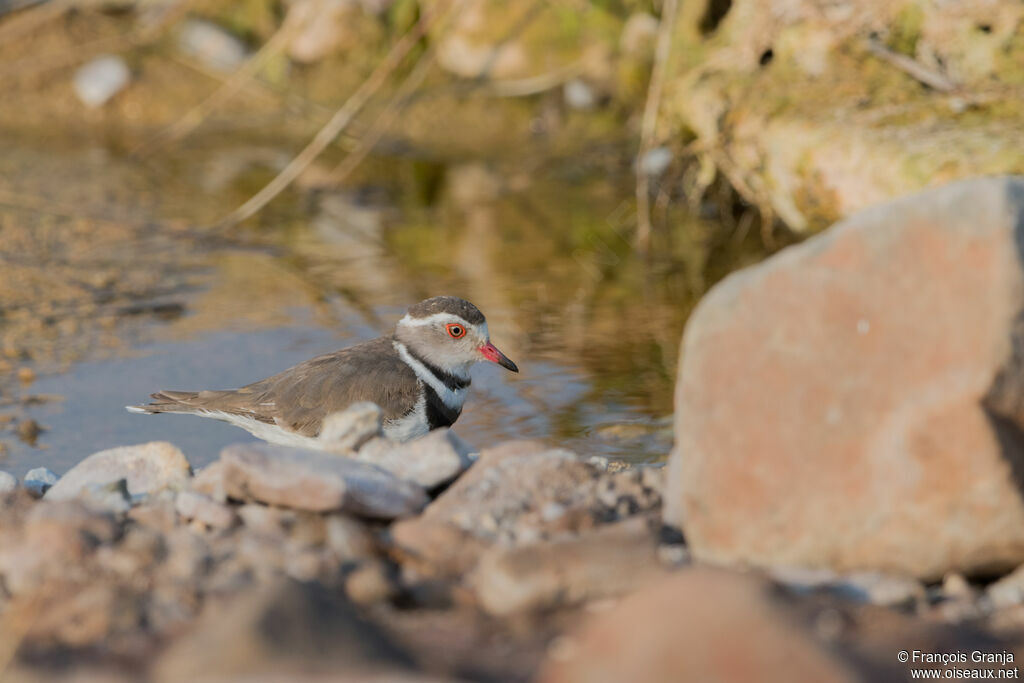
<point>39,480</point>
<point>8,482</point>
<point>876,588</point>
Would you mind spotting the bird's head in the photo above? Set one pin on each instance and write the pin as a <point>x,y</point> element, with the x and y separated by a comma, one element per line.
<point>450,333</point>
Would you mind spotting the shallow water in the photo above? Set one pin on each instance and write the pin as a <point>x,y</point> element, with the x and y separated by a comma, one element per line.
<point>168,304</point>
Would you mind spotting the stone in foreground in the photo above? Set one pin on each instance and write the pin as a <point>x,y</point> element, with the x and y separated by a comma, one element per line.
<point>8,482</point>
<point>316,481</point>
<point>699,625</point>
<point>285,631</point>
<point>857,402</point>
<point>147,468</point>
<point>602,563</point>
<point>431,460</point>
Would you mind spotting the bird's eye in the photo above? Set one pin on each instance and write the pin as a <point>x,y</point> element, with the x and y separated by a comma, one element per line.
<point>455,330</point>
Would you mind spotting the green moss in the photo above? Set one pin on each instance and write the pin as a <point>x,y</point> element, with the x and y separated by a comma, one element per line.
<point>254,20</point>
<point>906,29</point>
<point>402,15</point>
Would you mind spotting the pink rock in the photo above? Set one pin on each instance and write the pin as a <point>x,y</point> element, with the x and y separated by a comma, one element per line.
<point>831,403</point>
<point>699,625</point>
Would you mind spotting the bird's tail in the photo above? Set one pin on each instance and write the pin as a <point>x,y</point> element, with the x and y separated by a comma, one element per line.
<point>167,402</point>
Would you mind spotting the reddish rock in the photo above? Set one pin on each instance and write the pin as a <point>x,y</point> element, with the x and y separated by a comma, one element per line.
<point>605,562</point>
<point>701,625</point>
<point>857,401</point>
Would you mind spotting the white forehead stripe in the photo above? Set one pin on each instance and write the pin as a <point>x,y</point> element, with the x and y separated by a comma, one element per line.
<point>445,318</point>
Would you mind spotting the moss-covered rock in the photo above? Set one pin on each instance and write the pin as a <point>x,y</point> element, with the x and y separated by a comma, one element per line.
<point>808,121</point>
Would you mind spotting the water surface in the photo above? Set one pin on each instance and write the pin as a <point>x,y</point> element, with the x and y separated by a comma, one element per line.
<point>112,288</point>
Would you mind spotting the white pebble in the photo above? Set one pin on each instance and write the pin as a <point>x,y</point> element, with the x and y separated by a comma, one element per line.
<point>39,480</point>
<point>99,80</point>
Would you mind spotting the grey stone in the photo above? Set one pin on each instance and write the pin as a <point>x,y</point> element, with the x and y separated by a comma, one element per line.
<point>316,481</point>
<point>579,95</point>
<point>655,161</point>
<point>112,497</point>
<point>211,45</point>
<point>196,506</point>
<point>499,500</point>
<point>39,480</point>
<point>100,79</point>
<point>433,459</point>
<point>147,468</point>
<point>1009,590</point>
<point>876,588</point>
<point>349,429</point>
<point>8,482</point>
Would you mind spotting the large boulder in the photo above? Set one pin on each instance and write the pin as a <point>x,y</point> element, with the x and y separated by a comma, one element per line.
<point>857,401</point>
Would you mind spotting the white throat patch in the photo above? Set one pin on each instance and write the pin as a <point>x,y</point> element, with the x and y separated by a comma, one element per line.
<point>453,398</point>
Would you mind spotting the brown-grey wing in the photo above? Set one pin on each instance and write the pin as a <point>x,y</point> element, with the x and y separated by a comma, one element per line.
<point>300,398</point>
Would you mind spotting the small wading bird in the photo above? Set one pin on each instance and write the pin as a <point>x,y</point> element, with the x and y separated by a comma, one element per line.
<point>418,376</point>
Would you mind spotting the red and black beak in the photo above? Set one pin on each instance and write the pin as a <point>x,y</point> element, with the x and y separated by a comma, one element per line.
<point>492,354</point>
